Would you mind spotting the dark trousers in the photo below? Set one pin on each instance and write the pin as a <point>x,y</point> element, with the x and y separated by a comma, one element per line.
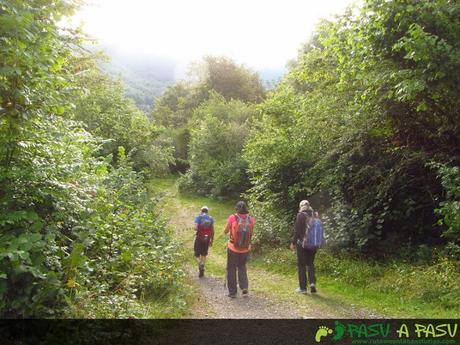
<point>236,261</point>
<point>306,258</point>
<point>201,246</point>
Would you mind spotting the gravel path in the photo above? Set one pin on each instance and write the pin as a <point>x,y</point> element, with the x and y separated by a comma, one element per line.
<point>214,303</point>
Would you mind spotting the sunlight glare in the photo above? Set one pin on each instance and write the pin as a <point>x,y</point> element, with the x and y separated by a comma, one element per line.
<point>264,34</point>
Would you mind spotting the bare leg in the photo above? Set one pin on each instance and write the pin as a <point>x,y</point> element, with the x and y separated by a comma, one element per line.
<point>202,259</point>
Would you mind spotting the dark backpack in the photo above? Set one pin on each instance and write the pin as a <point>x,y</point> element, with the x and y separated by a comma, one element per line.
<point>242,233</point>
<point>314,235</point>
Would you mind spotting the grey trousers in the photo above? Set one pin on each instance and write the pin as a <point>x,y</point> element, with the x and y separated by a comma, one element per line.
<point>236,262</point>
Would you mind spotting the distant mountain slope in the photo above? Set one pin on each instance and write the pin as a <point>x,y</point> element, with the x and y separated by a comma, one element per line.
<point>145,78</point>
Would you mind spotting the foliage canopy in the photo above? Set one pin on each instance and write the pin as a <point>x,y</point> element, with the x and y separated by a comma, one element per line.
<point>368,106</point>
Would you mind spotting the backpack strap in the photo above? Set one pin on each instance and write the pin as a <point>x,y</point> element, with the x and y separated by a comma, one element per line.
<point>200,218</point>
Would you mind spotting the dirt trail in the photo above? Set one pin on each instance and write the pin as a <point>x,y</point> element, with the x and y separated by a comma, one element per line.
<point>212,300</point>
<point>214,303</point>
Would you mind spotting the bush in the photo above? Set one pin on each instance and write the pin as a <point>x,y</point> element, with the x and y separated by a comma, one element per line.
<point>72,226</point>
<point>128,253</point>
<point>218,133</point>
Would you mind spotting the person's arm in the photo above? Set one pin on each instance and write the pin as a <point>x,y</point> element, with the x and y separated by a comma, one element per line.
<point>212,233</point>
<point>299,228</point>
<point>227,228</point>
<point>295,235</point>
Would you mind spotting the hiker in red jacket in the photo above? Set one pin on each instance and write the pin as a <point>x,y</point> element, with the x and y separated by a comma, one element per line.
<point>240,226</point>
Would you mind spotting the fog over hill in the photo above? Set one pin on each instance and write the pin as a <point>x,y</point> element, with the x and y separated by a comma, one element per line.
<point>146,77</point>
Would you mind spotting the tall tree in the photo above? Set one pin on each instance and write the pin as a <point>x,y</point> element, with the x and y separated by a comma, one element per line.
<point>231,80</point>
<point>221,75</point>
<point>219,130</point>
<point>362,114</point>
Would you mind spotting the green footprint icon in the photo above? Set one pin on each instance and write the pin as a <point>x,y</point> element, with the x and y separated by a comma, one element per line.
<point>322,332</point>
<point>339,331</point>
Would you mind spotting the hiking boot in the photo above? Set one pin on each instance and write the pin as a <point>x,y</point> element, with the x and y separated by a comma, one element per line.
<point>302,291</point>
<point>232,295</point>
<point>201,271</point>
<point>245,292</point>
<point>313,289</point>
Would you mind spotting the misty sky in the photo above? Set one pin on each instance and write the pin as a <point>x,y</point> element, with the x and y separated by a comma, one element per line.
<point>260,34</point>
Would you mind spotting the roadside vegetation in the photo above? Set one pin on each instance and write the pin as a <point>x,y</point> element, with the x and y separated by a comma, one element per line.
<point>80,235</point>
<point>364,125</point>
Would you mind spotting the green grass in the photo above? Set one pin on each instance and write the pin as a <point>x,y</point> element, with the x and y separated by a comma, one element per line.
<point>346,284</point>
<point>393,290</point>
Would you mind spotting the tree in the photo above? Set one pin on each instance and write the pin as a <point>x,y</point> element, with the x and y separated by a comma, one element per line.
<point>107,113</point>
<point>219,130</point>
<point>175,108</point>
<point>365,109</point>
<point>45,162</point>
<point>67,215</point>
<point>231,80</point>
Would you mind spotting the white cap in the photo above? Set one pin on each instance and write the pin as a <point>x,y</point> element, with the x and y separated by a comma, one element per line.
<point>304,203</point>
<point>204,208</point>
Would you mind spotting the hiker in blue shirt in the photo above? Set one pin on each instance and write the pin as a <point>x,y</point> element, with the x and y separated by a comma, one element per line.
<point>204,226</point>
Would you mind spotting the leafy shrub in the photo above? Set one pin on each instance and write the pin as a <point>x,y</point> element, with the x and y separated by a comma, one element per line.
<point>273,229</point>
<point>218,133</point>
<point>129,254</point>
<point>46,168</point>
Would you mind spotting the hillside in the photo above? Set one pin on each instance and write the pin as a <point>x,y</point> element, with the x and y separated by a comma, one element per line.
<point>145,77</point>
